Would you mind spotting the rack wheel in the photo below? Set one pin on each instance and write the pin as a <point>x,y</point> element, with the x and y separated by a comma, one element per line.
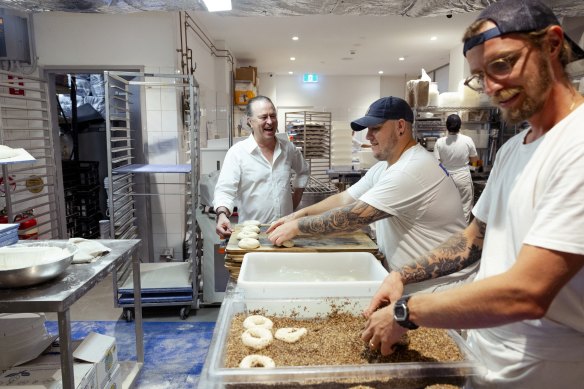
<point>128,314</point>
<point>184,312</point>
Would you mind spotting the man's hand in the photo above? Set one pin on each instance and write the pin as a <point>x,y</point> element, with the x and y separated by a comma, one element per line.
<point>223,228</point>
<point>389,292</point>
<point>382,332</point>
<point>284,232</point>
<point>279,222</point>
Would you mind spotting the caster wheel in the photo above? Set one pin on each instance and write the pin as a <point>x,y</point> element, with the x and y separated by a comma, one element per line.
<point>128,315</point>
<point>184,312</point>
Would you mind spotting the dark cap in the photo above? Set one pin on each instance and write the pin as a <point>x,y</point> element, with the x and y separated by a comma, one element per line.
<point>453,123</point>
<point>386,108</point>
<point>512,16</point>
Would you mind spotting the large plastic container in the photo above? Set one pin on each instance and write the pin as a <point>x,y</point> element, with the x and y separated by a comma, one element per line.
<point>287,275</point>
<point>390,375</point>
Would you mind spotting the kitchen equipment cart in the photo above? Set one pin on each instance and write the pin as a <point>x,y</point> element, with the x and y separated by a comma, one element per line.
<point>150,195</point>
<point>60,294</point>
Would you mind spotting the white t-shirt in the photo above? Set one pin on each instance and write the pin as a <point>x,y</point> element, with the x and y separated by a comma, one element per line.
<point>424,203</point>
<point>260,190</point>
<point>454,151</point>
<point>535,196</point>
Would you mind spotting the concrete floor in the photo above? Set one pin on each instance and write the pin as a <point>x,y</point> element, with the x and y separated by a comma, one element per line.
<point>98,305</point>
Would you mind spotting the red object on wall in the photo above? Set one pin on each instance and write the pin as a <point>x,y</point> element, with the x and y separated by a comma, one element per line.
<point>16,91</point>
<point>25,230</point>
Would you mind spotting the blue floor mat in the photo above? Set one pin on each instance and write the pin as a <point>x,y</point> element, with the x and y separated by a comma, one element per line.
<point>174,352</point>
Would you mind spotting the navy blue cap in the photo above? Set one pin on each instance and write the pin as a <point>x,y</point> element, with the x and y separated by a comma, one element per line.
<point>386,108</point>
<point>512,16</point>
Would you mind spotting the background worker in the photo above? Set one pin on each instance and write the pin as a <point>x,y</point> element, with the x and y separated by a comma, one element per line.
<point>408,195</point>
<point>256,172</point>
<point>525,308</point>
<point>455,151</point>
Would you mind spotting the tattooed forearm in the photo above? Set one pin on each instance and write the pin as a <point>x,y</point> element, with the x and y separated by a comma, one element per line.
<point>458,252</point>
<point>348,218</point>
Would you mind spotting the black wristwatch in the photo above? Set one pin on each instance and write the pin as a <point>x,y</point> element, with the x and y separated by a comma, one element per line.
<point>401,314</point>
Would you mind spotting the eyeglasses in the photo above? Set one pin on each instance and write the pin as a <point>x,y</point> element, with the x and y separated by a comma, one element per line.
<point>498,68</point>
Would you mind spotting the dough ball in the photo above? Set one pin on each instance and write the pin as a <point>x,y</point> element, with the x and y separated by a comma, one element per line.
<point>247,234</point>
<point>251,223</point>
<point>287,243</point>
<point>251,228</point>
<point>249,243</point>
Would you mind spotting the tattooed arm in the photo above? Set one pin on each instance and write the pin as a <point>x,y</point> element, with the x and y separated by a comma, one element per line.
<point>342,219</point>
<point>459,251</point>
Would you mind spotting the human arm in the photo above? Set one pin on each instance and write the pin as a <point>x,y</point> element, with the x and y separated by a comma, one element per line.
<point>341,219</point>
<point>524,292</point>
<point>297,197</point>
<point>223,227</point>
<point>334,201</point>
<point>459,251</point>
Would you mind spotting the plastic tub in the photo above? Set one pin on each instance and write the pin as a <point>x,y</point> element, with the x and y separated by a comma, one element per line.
<point>394,375</point>
<point>286,275</point>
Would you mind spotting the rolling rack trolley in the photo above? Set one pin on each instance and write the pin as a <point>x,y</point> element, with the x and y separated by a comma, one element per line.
<point>138,207</point>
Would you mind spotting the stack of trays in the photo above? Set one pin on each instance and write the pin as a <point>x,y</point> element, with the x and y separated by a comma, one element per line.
<point>347,242</point>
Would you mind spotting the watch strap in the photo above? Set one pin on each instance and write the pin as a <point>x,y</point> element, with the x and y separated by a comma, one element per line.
<point>405,322</point>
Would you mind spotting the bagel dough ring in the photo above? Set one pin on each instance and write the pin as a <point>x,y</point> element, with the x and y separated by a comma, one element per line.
<point>290,334</point>
<point>251,223</point>
<point>255,360</point>
<point>249,243</point>
<point>247,234</point>
<point>257,337</point>
<point>257,321</point>
<point>251,228</point>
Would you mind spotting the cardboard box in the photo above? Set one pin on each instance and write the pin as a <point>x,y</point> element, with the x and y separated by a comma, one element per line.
<point>102,351</point>
<point>47,377</point>
<point>248,73</point>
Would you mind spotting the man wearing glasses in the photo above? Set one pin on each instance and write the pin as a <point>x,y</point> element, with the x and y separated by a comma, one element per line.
<point>526,305</point>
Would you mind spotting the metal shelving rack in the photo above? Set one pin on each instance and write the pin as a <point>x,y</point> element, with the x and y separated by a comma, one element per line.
<point>163,283</point>
<point>311,132</point>
<point>485,117</point>
<point>29,189</point>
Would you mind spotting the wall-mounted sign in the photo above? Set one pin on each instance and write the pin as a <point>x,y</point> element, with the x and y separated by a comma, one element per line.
<point>310,77</point>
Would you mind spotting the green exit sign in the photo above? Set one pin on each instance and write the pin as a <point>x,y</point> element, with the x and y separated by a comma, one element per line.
<point>310,77</point>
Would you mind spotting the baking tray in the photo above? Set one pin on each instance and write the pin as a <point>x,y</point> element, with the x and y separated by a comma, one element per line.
<point>381,375</point>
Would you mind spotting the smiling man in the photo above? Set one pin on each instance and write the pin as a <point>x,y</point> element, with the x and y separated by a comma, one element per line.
<point>525,308</point>
<point>257,171</point>
<point>408,195</point>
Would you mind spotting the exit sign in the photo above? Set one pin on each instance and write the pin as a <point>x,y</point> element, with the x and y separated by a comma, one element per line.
<point>310,77</point>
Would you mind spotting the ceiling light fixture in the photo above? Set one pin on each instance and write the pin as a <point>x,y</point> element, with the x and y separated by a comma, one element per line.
<point>433,38</point>
<point>295,38</point>
<point>380,72</point>
<point>401,59</point>
<point>217,5</point>
<point>290,73</point>
<point>292,58</point>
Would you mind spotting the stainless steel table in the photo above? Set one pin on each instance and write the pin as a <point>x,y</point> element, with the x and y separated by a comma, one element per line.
<point>58,295</point>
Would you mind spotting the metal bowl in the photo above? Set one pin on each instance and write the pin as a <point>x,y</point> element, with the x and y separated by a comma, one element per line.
<point>33,274</point>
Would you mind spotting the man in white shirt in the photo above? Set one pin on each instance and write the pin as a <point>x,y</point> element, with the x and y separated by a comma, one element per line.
<point>408,195</point>
<point>455,151</point>
<point>525,309</point>
<point>257,171</point>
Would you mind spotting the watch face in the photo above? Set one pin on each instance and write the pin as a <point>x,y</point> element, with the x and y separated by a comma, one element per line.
<point>399,312</point>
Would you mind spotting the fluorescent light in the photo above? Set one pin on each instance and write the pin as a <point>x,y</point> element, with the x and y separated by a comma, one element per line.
<point>380,72</point>
<point>401,59</point>
<point>290,73</point>
<point>217,5</point>
<point>295,38</point>
<point>433,38</point>
<point>292,58</point>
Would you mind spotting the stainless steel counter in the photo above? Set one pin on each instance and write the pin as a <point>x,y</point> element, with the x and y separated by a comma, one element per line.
<point>60,293</point>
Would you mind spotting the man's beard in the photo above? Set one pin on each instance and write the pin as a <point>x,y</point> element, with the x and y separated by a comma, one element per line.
<point>534,100</point>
